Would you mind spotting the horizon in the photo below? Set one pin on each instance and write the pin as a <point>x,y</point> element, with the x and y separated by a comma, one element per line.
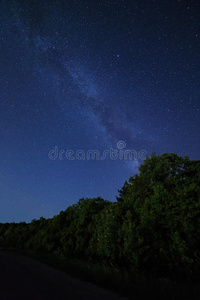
<point>88,91</point>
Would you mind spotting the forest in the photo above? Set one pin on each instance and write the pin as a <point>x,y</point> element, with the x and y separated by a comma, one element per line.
<point>153,227</point>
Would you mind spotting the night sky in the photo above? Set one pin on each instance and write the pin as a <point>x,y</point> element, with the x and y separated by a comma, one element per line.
<point>96,75</point>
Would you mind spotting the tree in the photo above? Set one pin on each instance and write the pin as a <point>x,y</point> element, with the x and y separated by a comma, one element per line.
<point>164,201</point>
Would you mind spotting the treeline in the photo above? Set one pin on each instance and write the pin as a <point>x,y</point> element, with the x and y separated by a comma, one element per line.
<point>152,229</point>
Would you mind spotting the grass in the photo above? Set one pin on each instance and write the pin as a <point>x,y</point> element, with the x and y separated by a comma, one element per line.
<point>119,280</point>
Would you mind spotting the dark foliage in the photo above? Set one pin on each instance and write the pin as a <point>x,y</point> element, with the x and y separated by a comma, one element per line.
<point>152,229</point>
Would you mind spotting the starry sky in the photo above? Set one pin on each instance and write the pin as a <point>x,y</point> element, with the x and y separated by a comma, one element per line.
<point>109,76</point>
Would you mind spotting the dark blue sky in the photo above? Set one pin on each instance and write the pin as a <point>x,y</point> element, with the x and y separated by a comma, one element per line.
<point>92,75</point>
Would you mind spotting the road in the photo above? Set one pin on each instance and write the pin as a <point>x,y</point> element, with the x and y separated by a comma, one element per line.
<point>26,279</point>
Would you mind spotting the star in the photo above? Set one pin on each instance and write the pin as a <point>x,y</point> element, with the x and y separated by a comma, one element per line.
<point>81,77</point>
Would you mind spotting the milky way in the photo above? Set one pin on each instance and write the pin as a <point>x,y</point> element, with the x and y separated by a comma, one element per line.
<point>82,75</point>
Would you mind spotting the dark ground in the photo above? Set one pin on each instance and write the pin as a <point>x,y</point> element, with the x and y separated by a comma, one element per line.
<point>24,278</point>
